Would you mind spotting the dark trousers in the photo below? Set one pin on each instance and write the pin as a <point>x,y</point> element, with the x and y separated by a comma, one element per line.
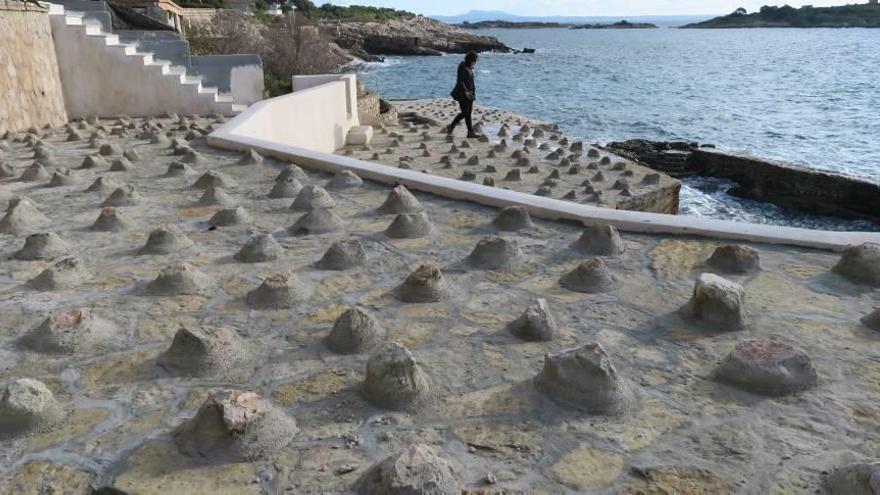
<point>467,107</point>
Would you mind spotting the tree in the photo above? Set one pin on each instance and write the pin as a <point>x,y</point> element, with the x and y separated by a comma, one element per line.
<point>740,11</point>
<point>305,6</point>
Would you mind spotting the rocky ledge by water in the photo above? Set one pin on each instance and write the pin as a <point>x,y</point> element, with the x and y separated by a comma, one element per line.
<point>784,184</point>
<point>417,35</point>
<point>844,16</point>
<point>618,25</point>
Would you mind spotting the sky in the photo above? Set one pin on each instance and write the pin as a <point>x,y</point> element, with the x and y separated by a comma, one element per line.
<point>582,7</point>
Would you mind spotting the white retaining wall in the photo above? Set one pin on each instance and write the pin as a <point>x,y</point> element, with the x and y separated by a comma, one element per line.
<point>315,116</point>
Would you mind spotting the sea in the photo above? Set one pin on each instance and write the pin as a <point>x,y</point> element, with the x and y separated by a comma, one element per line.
<point>805,96</point>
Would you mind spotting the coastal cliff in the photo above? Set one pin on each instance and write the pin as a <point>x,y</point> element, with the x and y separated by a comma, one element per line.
<point>416,35</point>
<point>844,16</point>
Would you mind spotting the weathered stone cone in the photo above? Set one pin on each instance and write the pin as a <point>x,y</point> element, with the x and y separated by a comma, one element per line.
<point>356,330</point>
<point>178,169</point>
<point>69,332</point>
<point>320,221</point>
<point>280,291</point>
<point>121,164</point>
<point>872,320</point>
<point>425,284</point>
<point>718,302</point>
<point>312,197</point>
<point>159,138</point>
<point>28,406</point>
<point>591,277</point>
<point>21,214</point>
<point>212,179</point>
<point>176,280</point>
<point>735,258</point>
<point>63,177</point>
<point>123,196</point>
<point>42,246</point>
<point>400,200</point>
<point>584,378</point>
<point>102,185</point>
<point>204,351</point>
<point>418,470</point>
<point>288,188</point>
<point>109,149</point>
<point>250,157</point>
<point>93,161</point>
<point>35,172</point>
<point>600,240</point>
<point>292,172</point>
<point>394,380</point>
<point>767,367</point>
<point>235,426</point>
<point>132,155</point>
<point>856,479</point>
<point>193,157</point>
<point>861,264</point>
<point>535,324</point>
<point>344,254</point>
<point>230,216</point>
<point>165,240</point>
<point>259,248</point>
<point>409,226</point>
<point>513,218</point>
<point>6,170</point>
<point>496,253</point>
<point>217,196</point>
<point>110,220</point>
<point>65,274</point>
<point>345,179</point>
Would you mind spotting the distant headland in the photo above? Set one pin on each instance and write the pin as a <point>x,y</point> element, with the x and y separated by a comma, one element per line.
<point>501,24</point>
<point>844,16</point>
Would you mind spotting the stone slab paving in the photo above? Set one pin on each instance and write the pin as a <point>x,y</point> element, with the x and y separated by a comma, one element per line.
<point>526,156</point>
<point>121,403</point>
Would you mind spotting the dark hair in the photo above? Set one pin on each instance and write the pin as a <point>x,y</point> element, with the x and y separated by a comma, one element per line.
<point>471,57</point>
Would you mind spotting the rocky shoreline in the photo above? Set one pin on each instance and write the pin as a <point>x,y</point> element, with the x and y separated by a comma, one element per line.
<point>784,184</point>
<point>417,35</point>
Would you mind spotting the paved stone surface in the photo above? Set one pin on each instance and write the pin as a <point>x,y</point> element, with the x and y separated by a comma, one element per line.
<point>534,158</point>
<point>688,433</point>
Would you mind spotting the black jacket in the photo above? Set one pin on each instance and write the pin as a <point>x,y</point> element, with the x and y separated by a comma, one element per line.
<point>465,82</point>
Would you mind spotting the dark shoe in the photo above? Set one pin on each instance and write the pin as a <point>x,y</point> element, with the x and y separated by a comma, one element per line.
<point>473,135</point>
<point>448,129</point>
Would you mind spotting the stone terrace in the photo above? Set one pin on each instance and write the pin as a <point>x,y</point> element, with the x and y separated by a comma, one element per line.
<point>126,380</point>
<point>527,156</point>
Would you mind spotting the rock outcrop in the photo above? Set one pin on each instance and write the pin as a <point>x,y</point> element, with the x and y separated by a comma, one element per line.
<point>394,380</point>
<point>204,351</point>
<point>425,284</point>
<point>584,378</point>
<point>535,324</point>
<point>717,302</point>
<point>235,426</point>
<point>343,255</point>
<point>417,470</point>
<point>590,277</point>
<point>861,264</point>
<point>855,479</point>
<point>600,240</point>
<point>356,330</point>
<point>69,332</point>
<point>767,367</point>
<point>28,406</point>
<point>735,258</point>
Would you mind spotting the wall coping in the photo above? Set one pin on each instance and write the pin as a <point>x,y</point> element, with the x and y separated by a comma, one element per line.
<point>538,206</point>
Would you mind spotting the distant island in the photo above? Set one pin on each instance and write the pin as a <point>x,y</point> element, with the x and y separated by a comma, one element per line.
<point>844,16</point>
<point>618,25</point>
<point>499,24</point>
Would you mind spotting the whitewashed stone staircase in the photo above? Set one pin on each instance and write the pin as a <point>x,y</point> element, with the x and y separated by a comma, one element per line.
<point>105,77</point>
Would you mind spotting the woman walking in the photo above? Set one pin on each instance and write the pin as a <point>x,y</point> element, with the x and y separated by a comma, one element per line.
<point>465,93</point>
